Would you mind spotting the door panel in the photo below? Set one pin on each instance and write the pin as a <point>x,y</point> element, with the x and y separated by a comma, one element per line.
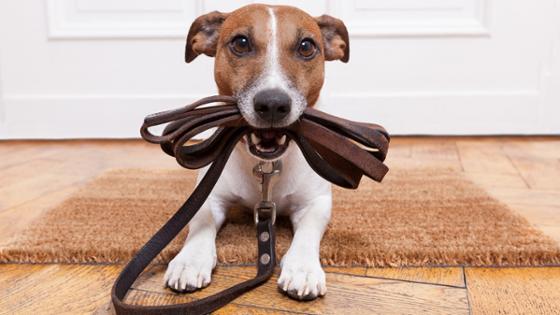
<point>416,66</point>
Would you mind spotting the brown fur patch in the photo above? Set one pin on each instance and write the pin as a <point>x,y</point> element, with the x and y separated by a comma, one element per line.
<point>306,75</point>
<point>234,74</point>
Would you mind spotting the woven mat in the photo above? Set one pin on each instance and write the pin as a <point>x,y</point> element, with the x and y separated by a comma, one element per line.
<point>421,217</point>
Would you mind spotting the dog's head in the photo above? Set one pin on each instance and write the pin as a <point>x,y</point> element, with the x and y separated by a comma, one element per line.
<point>272,59</point>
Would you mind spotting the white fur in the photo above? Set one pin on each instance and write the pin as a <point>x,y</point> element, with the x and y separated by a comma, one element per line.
<point>299,193</point>
<point>271,77</point>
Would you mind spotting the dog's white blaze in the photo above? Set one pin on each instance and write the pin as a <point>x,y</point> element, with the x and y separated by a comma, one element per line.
<point>272,77</point>
<point>273,74</point>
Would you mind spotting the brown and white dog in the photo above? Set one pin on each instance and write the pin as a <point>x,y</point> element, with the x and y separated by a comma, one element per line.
<point>272,59</point>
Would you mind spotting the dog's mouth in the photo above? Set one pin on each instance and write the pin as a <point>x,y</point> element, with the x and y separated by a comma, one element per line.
<point>267,144</point>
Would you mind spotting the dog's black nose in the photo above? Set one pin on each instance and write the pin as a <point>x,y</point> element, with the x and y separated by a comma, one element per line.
<point>272,105</point>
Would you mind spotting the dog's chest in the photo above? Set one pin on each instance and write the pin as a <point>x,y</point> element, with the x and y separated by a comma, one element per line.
<point>296,184</point>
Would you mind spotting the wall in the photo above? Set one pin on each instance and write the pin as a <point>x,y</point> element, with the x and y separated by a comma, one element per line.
<point>95,68</point>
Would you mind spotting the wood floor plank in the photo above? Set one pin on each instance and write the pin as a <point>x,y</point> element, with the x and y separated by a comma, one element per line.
<point>551,231</point>
<point>149,298</point>
<point>69,165</point>
<point>435,150</point>
<point>358,271</point>
<point>452,276</point>
<point>20,155</point>
<point>546,215</point>
<point>484,157</point>
<point>29,181</point>
<point>54,289</point>
<point>514,290</point>
<point>15,219</point>
<point>427,153</point>
<point>43,184</point>
<point>524,196</point>
<point>540,207</point>
<point>412,163</point>
<point>139,297</point>
<point>347,294</point>
<point>400,150</point>
<point>538,163</point>
<point>500,180</point>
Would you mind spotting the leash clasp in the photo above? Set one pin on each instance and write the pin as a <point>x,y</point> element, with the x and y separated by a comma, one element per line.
<point>265,171</point>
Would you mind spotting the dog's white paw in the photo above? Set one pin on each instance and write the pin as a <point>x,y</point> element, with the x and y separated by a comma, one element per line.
<point>302,278</point>
<point>190,270</point>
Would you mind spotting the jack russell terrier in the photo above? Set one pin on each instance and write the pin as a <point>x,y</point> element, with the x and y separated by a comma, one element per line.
<point>272,59</point>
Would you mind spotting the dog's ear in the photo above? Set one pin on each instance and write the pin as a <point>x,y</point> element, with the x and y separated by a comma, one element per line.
<point>335,38</point>
<point>203,35</point>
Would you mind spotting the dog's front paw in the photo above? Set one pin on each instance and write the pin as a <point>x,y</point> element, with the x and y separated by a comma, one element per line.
<point>302,278</point>
<point>189,271</point>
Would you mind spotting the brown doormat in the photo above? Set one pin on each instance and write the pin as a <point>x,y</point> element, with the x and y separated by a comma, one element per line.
<point>420,217</point>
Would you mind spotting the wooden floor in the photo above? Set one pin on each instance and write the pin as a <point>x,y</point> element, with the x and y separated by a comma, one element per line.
<point>522,172</point>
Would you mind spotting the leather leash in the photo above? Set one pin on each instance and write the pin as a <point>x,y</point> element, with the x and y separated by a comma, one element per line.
<point>339,150</point>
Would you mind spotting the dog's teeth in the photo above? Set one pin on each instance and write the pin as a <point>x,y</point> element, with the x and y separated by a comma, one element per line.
<point>266,150</point>
<point>255,139</point>
<point>282,140</point>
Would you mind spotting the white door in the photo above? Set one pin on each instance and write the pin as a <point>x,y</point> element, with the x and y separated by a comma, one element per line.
<point>94,68</point>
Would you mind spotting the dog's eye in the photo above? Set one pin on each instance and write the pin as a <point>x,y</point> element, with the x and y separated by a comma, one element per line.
<point>240,45</point>
<point>307,48</point>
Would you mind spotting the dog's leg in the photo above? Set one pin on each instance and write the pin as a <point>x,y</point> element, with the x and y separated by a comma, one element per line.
<point>192,268</point>
<point>302,277</point>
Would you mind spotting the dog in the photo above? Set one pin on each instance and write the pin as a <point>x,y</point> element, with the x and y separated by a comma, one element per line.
<point>271,58</point>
